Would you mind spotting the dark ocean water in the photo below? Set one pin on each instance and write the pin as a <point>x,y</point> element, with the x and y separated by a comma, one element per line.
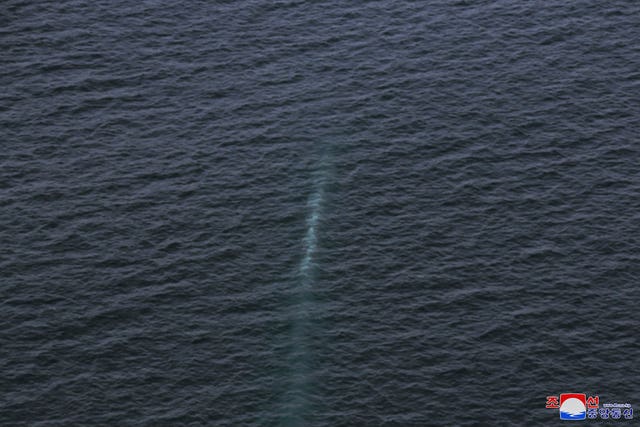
<point>328,213</point>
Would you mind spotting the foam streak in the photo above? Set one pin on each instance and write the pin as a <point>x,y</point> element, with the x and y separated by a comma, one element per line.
<point>296,404</point>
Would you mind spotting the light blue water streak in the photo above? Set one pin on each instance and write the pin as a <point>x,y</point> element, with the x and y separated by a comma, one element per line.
<point>296,407</point>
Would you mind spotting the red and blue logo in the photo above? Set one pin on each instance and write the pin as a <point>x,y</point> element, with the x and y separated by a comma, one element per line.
<point>577,406</point>
<point>573,406</point>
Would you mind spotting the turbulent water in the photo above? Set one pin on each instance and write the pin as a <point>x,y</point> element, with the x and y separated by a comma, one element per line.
<point>317,213</point>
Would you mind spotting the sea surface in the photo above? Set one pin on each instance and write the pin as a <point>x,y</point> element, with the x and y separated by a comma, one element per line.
<point>317,213</point>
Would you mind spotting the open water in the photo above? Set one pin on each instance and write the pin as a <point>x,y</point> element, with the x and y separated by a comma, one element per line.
<point>317,213</point>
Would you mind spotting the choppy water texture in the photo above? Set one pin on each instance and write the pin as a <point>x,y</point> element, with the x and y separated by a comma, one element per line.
<point>327,213</point>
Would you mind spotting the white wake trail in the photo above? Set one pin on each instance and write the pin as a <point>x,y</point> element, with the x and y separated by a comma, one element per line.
<point>296,404</point>
<point>311,238</point>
